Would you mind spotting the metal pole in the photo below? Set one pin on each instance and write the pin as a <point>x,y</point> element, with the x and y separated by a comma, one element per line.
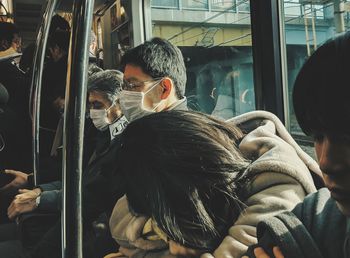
<point>306,32</point>
<point>35,91</point>
<point>339,16</point>
<point>73,132</point>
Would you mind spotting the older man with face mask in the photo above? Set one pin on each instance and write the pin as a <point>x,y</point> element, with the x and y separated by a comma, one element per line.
<point>104,109</point>
<point>99,190</point>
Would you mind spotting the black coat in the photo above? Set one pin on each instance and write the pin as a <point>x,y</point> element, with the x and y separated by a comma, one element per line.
<point>14,81</point>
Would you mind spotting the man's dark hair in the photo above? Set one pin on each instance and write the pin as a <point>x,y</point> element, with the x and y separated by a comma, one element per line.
<point>8,31</point>
<point>322,91</point>
<point>184,170</point>
<point>58,23</point>
<point>159,58</point>
<point>59,38</point>
<point>107,82</point>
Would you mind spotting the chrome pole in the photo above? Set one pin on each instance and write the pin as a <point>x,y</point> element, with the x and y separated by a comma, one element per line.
<point>35,90</point>
<point>73,131</point>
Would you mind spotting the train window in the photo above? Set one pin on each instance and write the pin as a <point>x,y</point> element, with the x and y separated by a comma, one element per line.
<point>5,10</point>
<point>120,23</point>
<point>308,24</point>
<point>215,39</point>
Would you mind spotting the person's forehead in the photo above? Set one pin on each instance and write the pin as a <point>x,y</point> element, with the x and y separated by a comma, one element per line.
<point>135,73</point>
<point>97,96</point>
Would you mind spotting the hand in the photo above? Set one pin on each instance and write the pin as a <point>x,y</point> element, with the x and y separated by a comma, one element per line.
<point>58,103</point>
<point>20,181</point>
<point>260,253</point>
<point>23,202</point>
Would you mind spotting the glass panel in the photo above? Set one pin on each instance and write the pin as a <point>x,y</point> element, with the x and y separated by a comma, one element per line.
<point>217,49</point>
<point>165,3</point>
<point>308,24</point>
<point>243,6</point>
<point>121,33</point>
<point>223,5</point>
<point>195,4</point>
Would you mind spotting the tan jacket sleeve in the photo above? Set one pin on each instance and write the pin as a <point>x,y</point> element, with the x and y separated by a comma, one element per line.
<point>273,194</point>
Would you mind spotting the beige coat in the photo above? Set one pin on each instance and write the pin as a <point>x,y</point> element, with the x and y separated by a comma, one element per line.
<point>282,180</point>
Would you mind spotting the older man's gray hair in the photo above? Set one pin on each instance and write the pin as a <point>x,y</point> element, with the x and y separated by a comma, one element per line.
<point>108,82</point>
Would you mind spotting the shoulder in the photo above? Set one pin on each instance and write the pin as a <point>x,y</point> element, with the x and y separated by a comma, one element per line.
<point>324,221</point>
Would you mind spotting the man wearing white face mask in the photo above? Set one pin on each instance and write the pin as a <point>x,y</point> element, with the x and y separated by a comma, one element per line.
<point>154,79</point>
<point>101,184</point>
<point>103,97</point>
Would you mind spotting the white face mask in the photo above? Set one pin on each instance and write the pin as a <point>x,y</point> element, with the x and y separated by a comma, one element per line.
<point>131,104</point>
<point>99,118</point>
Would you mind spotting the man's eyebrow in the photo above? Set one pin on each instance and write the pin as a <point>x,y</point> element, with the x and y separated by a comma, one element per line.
<point>132,79</point>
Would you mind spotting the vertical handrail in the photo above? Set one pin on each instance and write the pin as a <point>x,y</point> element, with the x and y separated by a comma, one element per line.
<point>36,84</point>
<point>74,121</point>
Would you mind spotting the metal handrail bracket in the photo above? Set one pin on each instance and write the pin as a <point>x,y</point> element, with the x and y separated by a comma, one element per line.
<point>36,85</point>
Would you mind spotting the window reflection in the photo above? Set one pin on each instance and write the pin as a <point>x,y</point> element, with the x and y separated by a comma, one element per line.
<point>215,39</point>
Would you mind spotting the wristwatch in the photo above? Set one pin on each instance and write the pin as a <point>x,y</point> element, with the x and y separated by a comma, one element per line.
<point>37,201</point>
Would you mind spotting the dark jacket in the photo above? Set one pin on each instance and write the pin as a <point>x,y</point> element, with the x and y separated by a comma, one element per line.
<point>102,187</point>
<point>14,81</point>
<point>316,229</point>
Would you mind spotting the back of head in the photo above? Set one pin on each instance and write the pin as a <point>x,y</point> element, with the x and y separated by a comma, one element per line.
<point>321,90</point>
<point>4,96</point>
<point>183,169</point>
<point>159,58</point>
<point>7,32</point>
<point>58,23</point>
<point>59,38</point>
<point>107,82</point>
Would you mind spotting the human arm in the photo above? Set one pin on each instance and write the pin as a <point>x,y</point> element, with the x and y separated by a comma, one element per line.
<point>26,201</point>
<point>23,202</point>
<point>20,180</point>
<point>270,194</point>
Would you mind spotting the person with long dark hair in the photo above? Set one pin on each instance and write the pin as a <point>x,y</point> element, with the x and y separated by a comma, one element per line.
<point>197,185</point>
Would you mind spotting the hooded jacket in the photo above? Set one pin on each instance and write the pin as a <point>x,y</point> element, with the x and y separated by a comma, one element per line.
<point>315,229</point>
<point>282,178</point>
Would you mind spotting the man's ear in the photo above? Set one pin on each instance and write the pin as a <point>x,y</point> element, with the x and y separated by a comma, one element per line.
<point>167,86</point>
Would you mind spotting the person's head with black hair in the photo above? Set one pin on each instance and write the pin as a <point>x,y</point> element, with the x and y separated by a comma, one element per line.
<point>184,170</point>
<point>58,23</point>
<point>9,37</point>
<point>321,103</point>
<point>58,44</point>
<point>154,70</point>
<point>104,88</point>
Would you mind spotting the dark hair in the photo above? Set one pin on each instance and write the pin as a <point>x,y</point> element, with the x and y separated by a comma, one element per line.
<point>59,38</point>
<point>58,23</point>
<point>107,82</point>
<point>185,171</point>
<point>7,31</point>
<point>322,92</point>
<point>159,58</point>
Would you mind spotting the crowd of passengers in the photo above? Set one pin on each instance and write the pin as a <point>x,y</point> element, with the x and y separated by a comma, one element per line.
<point>160,180</point>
